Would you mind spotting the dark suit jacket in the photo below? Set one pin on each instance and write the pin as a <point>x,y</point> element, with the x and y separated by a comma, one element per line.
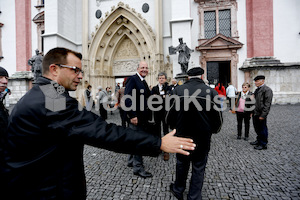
<point>155,91</point>
<point>134,83</point>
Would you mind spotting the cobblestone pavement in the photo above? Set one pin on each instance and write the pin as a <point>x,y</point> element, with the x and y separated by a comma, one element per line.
<point>234,169</point>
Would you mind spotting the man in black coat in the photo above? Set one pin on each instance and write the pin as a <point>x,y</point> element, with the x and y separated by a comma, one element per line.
<point>47,132</point>
<point>138,112</point>
<point>198,117</point>
<point>263,101</point>
<point>160,91</point>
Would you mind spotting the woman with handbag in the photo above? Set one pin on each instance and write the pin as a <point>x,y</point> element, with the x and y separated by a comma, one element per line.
<point>244,106</point>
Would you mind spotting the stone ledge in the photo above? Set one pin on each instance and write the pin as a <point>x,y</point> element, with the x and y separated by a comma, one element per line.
<point>22,75</point>
<point>267,62</point>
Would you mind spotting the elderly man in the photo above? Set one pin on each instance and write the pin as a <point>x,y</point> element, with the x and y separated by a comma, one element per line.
<point>263,100</point>
<point>44,148</point>
<point>202,118</point>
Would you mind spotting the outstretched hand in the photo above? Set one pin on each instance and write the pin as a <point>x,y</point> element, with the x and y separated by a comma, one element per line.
<point>173,144</point>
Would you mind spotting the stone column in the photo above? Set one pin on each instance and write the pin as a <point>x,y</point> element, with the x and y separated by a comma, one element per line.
<point>23,34</point>
<point>85,36</point>
<point>158,65</point>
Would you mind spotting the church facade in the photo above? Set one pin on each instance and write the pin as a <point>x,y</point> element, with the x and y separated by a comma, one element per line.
<point>233,40</point>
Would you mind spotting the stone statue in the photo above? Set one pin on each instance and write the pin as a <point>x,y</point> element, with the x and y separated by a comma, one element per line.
<point>36,65</point>
<point>184,55</point>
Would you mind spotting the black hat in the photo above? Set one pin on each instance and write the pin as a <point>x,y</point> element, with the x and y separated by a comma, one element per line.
<point>3,72</point>
<point>259,77</point>
<point>196,71</point>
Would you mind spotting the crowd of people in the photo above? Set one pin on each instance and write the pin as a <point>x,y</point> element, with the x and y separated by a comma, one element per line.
<point>41,151</point>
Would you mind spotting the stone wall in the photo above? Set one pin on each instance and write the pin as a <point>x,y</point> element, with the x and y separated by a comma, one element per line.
<point>284,82</point>
<point>282,78</point>
<point>18,88</point>
<point>19,83</point>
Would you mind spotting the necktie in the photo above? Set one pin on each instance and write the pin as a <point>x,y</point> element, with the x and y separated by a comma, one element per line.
<point>147,90</point>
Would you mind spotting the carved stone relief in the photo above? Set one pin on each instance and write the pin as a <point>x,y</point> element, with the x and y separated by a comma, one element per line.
<point>125,67</point>
<point>126,50</point>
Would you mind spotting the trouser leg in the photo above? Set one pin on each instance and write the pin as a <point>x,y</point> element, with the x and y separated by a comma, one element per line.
<point>195,191</point>
<point>239,117</point>
<point>103,112</point>
<point>261,130</point>
<point>182,169</point>
<point>165,126</point>
<point>157,119</point>
<point>264,132</point>
<point>137,159</point>
<point>247,124</point>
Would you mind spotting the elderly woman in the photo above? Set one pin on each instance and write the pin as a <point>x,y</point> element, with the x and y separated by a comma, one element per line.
<point>244,106</point>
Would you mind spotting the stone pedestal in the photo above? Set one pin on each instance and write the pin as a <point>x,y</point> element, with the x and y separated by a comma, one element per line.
<point>19,83</point>
<point>181,78</point>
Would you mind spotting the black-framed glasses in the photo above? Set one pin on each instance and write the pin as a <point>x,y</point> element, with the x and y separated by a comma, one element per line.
<point>77,70</point>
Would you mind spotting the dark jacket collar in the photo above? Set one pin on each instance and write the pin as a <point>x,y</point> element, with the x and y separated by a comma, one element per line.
<point>195,80</point>
<point>43,81</point>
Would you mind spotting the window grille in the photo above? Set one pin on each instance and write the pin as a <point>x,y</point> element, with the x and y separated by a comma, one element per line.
<point>209,24</point>
<point>225,22</point>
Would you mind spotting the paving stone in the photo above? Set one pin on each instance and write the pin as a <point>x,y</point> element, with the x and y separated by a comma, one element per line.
<point>234,169</point>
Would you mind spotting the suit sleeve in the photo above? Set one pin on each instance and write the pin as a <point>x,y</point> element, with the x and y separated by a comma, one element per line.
<point>130,86</point>
<point>88,128</point>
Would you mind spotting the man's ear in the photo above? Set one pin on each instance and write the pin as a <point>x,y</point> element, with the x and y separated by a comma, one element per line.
<point>53,70</point>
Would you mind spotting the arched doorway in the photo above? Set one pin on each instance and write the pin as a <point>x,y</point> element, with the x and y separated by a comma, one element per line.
<point>121,40</point>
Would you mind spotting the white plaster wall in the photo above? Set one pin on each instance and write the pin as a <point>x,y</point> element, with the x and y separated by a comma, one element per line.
<point>242,30</point>
<point>34,34</point>
<point>67,20</point>
<point>63,25</point>
<point>51,17</point>
<point>49,43</point>
<point>8,40</point>
<point>286,30</point>
<point>195,56</point>
<point>167,38</point>
<point>105,6</point>
<point>78,25</point>
<point>181,26</point>
<point>167,16</point>
<point>51,26</point>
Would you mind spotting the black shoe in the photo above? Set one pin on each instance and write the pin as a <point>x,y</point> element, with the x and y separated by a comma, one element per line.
<point>239,137</point>
<point>173,192</point>
<point>246,138</point>
<point>254,143</point>
<point>260,147</point>
<point>129,165</point>
<point>143,174</point>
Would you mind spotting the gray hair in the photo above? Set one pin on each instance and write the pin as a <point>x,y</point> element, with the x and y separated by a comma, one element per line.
<point>162,74</point>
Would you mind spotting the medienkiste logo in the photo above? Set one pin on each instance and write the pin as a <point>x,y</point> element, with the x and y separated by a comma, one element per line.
<point>54,100</point>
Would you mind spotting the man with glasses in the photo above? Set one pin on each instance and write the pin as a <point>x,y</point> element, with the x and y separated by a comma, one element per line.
<point>44,148</point>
